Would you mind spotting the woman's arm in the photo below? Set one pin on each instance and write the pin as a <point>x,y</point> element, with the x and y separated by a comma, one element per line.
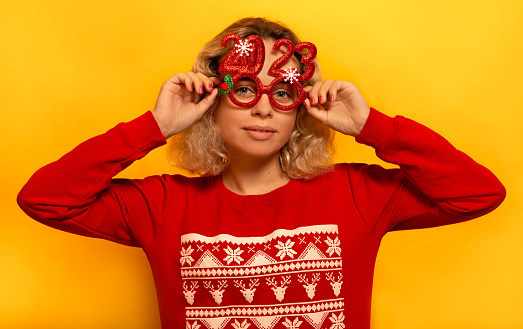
<point>78,194</point>
<point>436,183</point>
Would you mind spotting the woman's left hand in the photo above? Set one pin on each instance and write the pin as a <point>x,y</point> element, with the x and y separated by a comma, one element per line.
<point>338,105</point>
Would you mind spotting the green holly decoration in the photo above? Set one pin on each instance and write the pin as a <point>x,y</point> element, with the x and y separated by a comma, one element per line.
<point>226,81</point>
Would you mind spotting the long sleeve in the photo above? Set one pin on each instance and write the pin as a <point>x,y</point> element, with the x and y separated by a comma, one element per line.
<point>78,194</point>
<point>436,184</point>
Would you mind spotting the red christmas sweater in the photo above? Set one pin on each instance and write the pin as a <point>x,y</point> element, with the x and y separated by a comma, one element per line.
<point>299,257</point>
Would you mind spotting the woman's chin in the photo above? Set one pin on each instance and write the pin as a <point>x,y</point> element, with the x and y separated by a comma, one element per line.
<point>256,154</point>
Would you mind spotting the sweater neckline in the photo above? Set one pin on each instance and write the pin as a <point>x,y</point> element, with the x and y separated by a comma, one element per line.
<point>225,192</point>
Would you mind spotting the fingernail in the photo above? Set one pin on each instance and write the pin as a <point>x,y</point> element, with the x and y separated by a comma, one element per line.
<point>322,99</point>
<point>332,98</point>
<point>313,100</point>
<point>190,87</point>
<point>200,90</point>
<point>211,86</point>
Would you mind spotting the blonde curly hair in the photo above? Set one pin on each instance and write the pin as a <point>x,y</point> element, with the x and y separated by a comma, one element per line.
<point>201,150</point>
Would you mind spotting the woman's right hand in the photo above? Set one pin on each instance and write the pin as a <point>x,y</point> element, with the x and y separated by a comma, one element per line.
<point>181,101</point>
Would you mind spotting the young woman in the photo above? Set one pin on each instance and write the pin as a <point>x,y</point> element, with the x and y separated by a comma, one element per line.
<point>271,235</point>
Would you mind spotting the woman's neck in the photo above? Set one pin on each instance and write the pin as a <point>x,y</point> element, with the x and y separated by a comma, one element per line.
<point>254,176</point>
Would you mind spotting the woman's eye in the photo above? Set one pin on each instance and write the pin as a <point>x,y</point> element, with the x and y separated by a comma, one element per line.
<point>244,90</point>
<point>282,94</point>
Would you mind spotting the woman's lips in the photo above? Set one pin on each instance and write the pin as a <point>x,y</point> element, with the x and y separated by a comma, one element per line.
<point>259,132</point>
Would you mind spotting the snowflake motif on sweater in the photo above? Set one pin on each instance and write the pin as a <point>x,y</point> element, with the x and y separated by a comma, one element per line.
<point>285,249</point>
<point>287,279</point>
<point>186,256</point>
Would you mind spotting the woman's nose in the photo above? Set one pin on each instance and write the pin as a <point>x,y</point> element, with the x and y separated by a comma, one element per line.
<point>263,108</point>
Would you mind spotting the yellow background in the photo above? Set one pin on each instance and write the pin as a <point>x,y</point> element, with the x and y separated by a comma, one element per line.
<point>70,70</point>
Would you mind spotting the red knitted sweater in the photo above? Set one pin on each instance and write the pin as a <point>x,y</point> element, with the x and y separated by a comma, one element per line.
<point>299,257</point>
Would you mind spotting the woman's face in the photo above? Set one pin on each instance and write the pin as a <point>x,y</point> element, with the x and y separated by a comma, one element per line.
<point>262,130</point>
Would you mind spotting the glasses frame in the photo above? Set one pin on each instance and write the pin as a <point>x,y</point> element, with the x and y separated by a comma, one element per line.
<point>268,90</point>
<point>251,64</point>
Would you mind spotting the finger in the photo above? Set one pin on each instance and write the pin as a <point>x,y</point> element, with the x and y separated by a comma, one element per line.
<point>333,90</point>
<point>206,102</point>
<point>307,89</point>
<point>315,111</point>
<point>322,92</point>
<point>196,98</point>
<point>186,81</point>
<point>313,93</point>
<point>177,79</point>
<point>206,81</point>
<point>198,85</point>
<point>216,80</point>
